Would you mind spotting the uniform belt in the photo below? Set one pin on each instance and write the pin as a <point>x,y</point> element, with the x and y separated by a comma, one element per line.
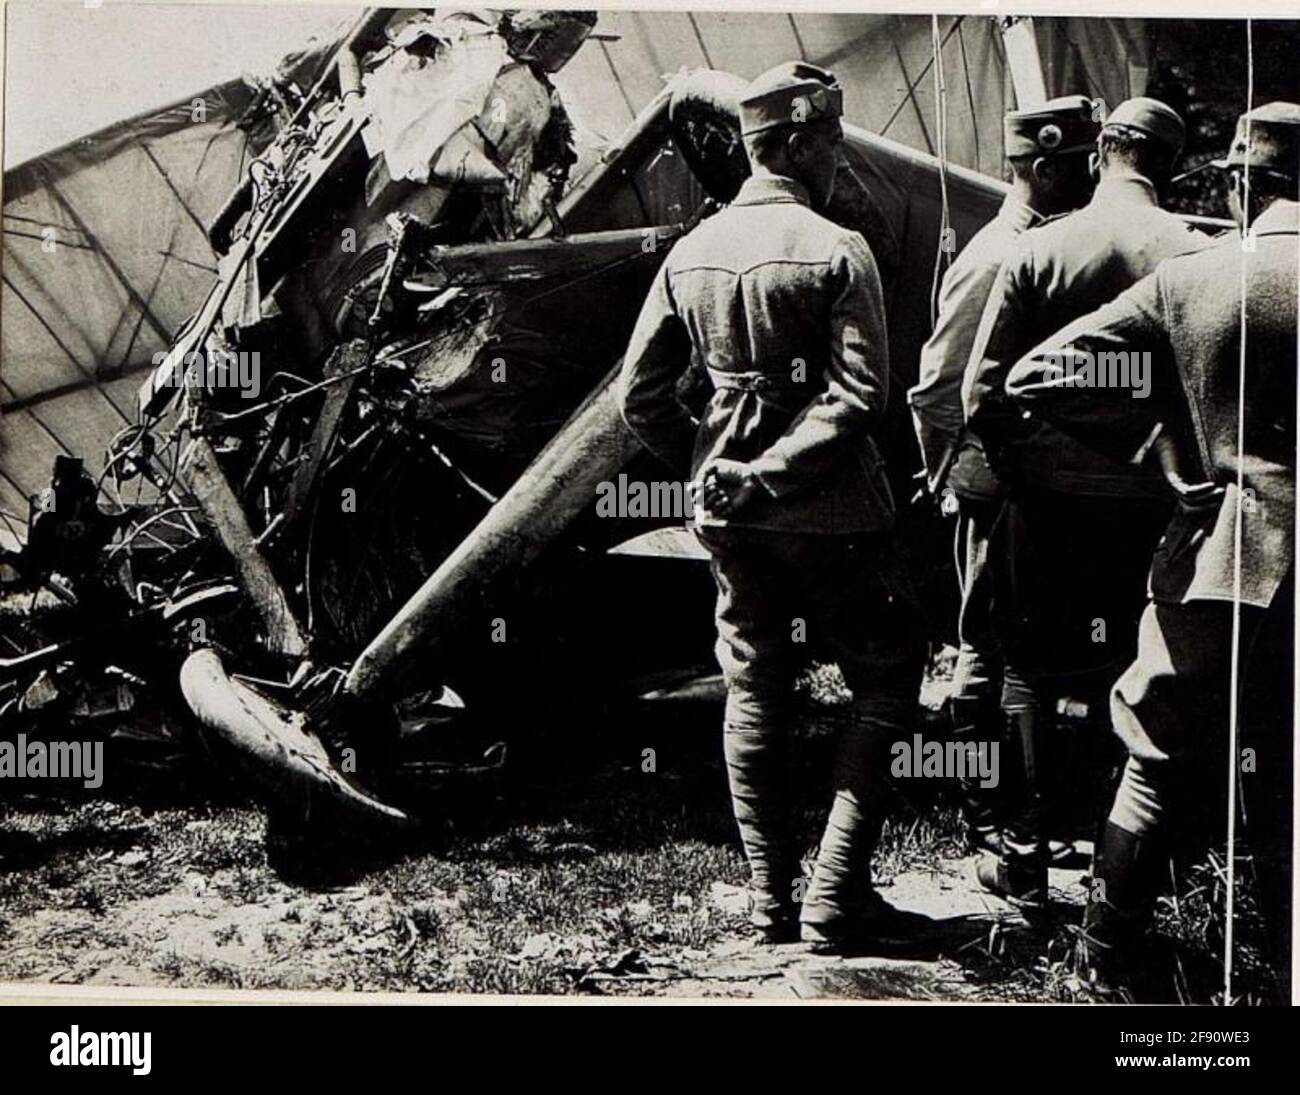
<point>754,382</point>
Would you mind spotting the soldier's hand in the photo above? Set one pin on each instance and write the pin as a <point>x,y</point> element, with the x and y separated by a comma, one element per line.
<point>944,502</point>
<point>1192,496</point>
<point>726,486</point>
<point>1197,498</point>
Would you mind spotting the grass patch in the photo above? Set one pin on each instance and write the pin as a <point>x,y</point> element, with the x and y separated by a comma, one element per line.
<point>578,872</point>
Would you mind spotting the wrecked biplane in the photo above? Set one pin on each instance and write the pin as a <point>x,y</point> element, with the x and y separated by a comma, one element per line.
<point>380,438</point>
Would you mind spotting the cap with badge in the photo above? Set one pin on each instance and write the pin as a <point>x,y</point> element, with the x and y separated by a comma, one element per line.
<point>1150,119</point>
<point>1268,139</point>
<point>789,93</point>
<point>1052,128</point>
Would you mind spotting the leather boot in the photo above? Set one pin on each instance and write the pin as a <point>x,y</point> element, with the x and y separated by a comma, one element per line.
<point>841,910</point>
<point>983,807</point>
<point>1019,873</point>
<point>1126,876</point>
<point>757,770</point>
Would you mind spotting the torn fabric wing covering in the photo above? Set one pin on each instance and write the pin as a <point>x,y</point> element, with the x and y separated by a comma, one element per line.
<point>460,110</point>
<point>81,325</point>
<point>418,103</point>
<point>105,257</point>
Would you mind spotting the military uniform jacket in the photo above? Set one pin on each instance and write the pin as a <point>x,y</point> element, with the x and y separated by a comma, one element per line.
<point>1059,272</point>
<point>784,309</point>
<point>936,398</point>
<point>1189,315</point>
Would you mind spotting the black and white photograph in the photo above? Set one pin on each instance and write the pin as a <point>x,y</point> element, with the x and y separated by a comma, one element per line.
<point>649,505</point>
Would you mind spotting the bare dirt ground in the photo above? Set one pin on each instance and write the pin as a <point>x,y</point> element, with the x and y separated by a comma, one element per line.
<point>114,895</point>
<point>575,872</point>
